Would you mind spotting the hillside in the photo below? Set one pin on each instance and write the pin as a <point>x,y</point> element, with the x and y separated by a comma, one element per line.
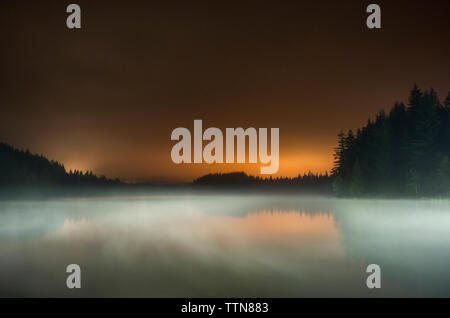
<point>22,168</point>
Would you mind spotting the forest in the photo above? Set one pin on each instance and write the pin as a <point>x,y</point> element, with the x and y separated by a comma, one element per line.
<point>308,182</point>
<point>23,173</point>
<point>404,153</point>
<point>22,168</point>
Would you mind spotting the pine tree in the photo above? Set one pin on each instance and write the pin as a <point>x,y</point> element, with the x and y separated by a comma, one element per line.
<point>422,152</point>
<point>339,155</point>
<point>405,152</point>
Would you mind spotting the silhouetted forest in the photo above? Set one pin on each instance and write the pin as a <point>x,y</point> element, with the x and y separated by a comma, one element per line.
<point>23,173</point>
<point>403,153</point>
<point>314,183</point>
<point>22,168</point>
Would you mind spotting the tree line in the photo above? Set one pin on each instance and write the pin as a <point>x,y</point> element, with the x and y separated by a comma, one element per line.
<point>403,153</point>
<point>308,182</point>
<point>22,168</point>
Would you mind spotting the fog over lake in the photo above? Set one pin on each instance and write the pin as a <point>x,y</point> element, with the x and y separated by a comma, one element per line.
<point>211,245</point>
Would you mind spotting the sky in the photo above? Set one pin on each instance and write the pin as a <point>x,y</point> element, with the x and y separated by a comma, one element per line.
<point>106,97</point>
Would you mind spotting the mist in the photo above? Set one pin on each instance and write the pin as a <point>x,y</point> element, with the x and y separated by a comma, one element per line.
<point>176,244</point>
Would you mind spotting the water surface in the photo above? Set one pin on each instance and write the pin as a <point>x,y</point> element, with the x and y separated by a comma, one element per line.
<point>224,246</point>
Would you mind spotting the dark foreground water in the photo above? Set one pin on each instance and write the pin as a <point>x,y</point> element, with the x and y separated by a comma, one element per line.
<point>224,246</point>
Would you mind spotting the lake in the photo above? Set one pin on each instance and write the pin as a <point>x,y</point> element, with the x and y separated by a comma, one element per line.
<point>207,245</point>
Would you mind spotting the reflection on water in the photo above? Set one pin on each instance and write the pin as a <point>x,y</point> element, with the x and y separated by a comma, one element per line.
<point>275,225</point>
<point>230,246</point>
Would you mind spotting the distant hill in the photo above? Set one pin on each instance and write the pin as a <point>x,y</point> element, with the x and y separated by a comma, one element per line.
<point>308,182</point>
<point>22,168</point>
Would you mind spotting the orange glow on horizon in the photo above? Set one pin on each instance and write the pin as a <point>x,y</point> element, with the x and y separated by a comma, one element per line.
<point>290,166</point>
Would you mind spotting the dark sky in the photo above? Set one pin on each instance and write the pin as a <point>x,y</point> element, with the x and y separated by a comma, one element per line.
<point>108,96</point>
